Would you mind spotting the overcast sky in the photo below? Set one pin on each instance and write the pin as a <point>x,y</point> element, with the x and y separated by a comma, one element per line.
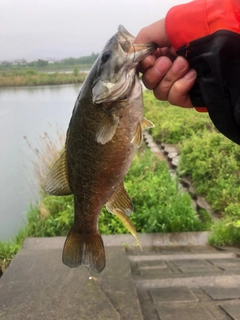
<point>71,28</point>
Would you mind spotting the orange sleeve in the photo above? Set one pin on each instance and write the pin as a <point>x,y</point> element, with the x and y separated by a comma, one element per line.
<point>199,18</point>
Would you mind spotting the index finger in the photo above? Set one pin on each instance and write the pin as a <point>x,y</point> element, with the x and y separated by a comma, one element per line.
<point>155,32</point>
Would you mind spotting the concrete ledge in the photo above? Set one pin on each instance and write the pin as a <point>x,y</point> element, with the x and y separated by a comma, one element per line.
<point>177,277</point>
<point>146,239</point>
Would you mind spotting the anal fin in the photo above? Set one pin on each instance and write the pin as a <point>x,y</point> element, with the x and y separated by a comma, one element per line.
<point>127,223</point>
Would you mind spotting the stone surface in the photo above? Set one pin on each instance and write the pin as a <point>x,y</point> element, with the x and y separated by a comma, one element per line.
<point>221,293</point>
<point>169,148</point>
<point>172,155</point>
<point>38,286</point>
<point>184,312</point>
<point>175,161</point>
<point>232,308</point>
<point>162,282</point>
<point>185,283</point>
<point>172,294</point>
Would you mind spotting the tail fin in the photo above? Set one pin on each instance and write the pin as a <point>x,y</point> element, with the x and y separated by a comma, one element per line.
<point>86,249</point>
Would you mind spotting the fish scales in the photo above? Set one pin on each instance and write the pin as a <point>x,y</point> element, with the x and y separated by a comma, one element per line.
<point>103,134</point>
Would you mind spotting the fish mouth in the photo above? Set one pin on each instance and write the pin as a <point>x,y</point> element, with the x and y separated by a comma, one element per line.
<point>141,51</point>
<point>138,51</point>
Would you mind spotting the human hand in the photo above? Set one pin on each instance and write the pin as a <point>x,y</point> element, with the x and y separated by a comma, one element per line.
<point>169,76</point>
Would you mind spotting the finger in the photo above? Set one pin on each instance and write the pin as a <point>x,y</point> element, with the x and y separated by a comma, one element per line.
<point>179,68</point>
<point>154,33</point>
<point>155,74</point>
<point>179,93</point>
<point>147,63</point>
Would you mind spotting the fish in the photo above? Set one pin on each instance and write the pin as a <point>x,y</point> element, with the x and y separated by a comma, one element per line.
<point>104,132</point>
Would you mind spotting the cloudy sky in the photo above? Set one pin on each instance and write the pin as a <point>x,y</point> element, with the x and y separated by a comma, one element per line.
<point>59,29</point>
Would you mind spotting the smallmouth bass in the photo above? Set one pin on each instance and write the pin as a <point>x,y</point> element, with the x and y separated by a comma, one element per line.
<point>105,129</point>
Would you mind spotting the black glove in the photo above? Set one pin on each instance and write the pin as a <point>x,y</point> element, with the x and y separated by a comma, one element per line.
<point>216,58</point>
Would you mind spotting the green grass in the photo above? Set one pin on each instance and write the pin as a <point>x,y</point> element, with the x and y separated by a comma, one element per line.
<point>210,160</point>
<point>159,207</point>
<point>29,77</point>
<point>173,124</point>
<point>213,163</point>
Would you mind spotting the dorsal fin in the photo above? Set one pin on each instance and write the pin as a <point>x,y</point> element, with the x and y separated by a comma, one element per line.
<point>57,180</point>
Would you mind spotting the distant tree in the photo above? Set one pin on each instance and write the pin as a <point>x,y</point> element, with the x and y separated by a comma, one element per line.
<point>5,65</point>
<point>75,71</point>
<point>41,63</point>
<point>81,60</point>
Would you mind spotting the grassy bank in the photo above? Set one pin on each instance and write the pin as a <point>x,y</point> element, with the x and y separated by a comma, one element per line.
<point>159,207</point>
<point>16,78</point>
<point>207,157</point>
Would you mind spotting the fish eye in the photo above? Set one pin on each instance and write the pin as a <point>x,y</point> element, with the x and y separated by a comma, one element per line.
<point>105,56</point>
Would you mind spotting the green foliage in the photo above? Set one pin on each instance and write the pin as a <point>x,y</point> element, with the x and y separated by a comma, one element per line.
<point>84,62</point>
<point>207,157</point>
<point>53,217</point>
<point>41,63</point>
<point>226,232</point>
<point>174,125</point>
<point>7,253</point>
<point>212,162</point>
<point>159,207</point>
<point>31,77</point>
<point>75,71</point>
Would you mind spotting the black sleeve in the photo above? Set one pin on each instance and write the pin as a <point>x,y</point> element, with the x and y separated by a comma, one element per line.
<point>216,58</point>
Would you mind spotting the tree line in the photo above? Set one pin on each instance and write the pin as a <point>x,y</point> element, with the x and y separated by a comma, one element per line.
<point>41,63</point>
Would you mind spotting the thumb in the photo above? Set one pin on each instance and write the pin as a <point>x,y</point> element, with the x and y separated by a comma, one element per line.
<point>155,32</point>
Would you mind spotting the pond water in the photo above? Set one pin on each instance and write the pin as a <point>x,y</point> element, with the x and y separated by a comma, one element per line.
<point>29,112</point>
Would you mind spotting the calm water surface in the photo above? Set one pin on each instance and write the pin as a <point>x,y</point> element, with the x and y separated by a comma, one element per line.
<point>26,111</point>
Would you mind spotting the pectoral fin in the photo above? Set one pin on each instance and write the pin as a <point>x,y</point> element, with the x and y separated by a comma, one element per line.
<point>120,200</point>
<point>107,128</point>
<point>144,124</point>
<point>57,180</point>
<point>127,223</point>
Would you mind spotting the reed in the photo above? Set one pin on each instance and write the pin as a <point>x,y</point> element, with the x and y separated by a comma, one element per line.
<point>43,156</point>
